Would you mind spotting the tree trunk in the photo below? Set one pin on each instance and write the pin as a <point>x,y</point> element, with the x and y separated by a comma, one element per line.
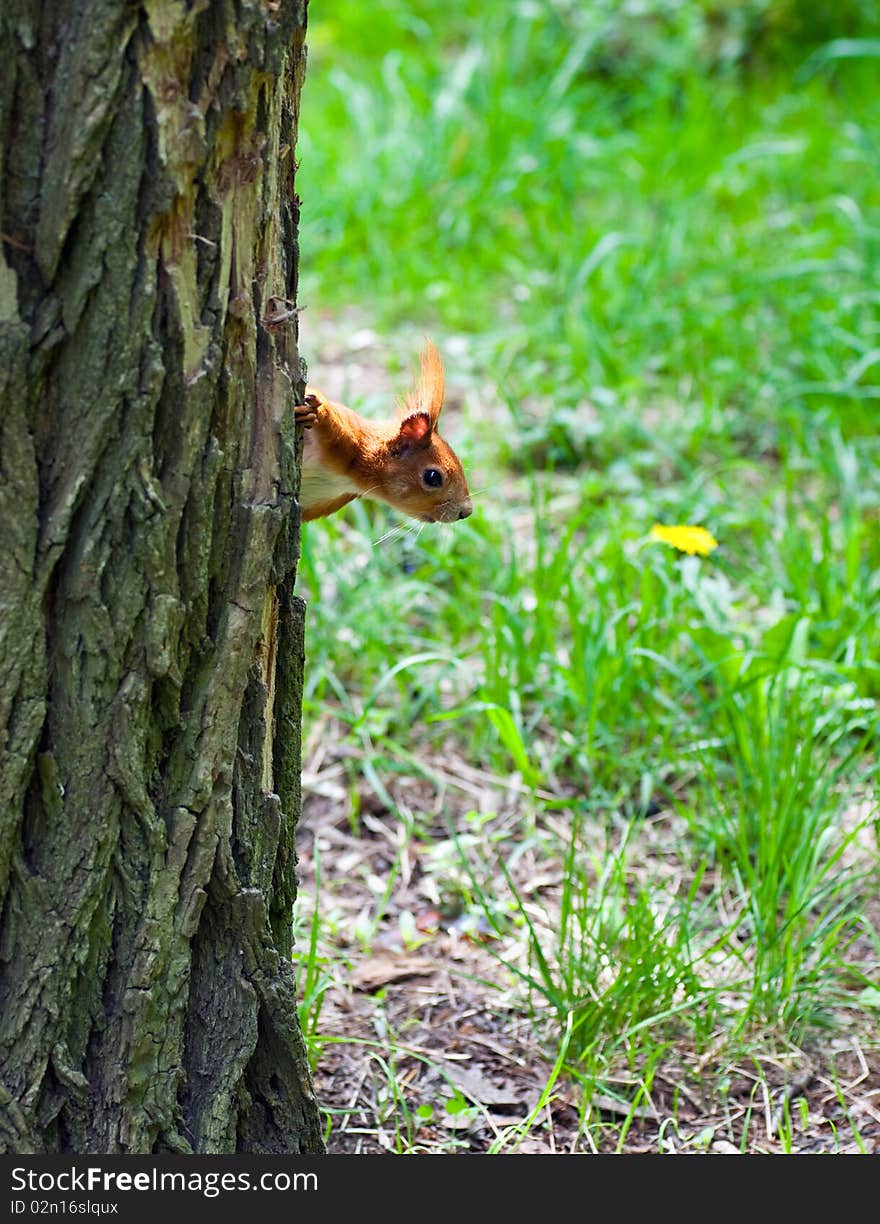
<point>150,643</point>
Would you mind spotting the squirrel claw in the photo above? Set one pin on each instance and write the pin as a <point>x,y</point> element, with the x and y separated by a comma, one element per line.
<point>307,413</point>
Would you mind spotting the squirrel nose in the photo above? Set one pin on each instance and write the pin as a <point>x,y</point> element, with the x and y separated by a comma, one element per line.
<point>465,510</point>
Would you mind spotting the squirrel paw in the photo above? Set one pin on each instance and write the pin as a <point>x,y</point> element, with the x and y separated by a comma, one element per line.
<point>307,413</point>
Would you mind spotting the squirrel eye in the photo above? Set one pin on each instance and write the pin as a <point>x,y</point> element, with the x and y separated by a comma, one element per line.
<point>432,477</point>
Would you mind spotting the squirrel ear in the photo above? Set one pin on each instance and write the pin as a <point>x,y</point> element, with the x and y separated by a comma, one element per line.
<point>427,394</point>
<point>414,430</point>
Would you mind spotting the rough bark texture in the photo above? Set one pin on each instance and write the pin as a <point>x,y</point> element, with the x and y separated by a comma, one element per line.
<point>150,642</point>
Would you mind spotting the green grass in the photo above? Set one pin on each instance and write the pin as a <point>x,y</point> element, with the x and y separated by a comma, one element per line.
<point>655,263</point>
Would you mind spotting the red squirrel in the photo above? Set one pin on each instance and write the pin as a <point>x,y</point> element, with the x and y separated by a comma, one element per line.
<point>403,462</point>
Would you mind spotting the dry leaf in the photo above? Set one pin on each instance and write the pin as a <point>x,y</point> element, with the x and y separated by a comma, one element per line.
<point>472,1083</point>
<point>378,971</point>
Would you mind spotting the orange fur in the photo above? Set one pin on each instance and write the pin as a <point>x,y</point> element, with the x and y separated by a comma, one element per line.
<point>346,456</point>
<point>430,389</point>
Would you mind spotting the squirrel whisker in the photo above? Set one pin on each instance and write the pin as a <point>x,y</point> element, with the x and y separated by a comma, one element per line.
<point>397,530</point>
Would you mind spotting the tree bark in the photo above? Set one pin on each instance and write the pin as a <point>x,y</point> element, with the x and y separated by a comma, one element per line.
<point>151,646</point>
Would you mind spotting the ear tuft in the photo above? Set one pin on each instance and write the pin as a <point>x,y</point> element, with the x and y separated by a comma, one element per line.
<point>427,394</point>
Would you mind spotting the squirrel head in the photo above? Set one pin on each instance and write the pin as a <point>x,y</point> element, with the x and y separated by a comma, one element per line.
<point>426,478</point>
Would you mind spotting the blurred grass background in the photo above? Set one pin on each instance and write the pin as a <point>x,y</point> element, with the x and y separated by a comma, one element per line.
<point>645,236</point>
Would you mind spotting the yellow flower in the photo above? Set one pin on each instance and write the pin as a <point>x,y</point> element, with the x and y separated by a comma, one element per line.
<point>686,539</point>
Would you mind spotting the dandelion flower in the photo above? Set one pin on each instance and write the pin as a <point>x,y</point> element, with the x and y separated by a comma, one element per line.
<point>686,539</point>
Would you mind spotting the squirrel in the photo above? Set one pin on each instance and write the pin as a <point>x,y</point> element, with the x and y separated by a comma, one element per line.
<point>403,462</point>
